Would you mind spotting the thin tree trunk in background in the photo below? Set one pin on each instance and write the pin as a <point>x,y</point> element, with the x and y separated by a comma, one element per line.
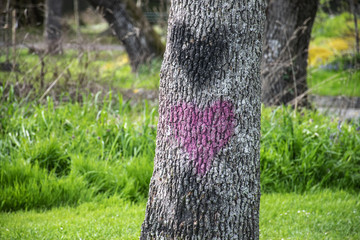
<point>353,10</point>
<point>13,37</point>
<point>6,26</point>
<point>132,29</point>
<point>36,13</point>
<point>53,11</point>
<point>287,38</point>
<point>7,29</point>
<point>77,20</point>
<point>206,179</point>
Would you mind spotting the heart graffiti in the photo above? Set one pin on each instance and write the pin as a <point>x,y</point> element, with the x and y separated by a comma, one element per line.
<point>202,132</point>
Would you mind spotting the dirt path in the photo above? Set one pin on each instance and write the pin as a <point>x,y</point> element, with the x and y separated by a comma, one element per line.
<point>67,46</point>
<point>344,107</point>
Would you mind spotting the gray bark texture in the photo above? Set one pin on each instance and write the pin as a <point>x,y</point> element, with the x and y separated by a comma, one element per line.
<point>206,179</point>
<point>53,11</point>
<point>132,29</point>
<point>287,37</point>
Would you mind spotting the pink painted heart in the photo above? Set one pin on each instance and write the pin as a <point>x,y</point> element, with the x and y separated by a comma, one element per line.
<point>202,133</point>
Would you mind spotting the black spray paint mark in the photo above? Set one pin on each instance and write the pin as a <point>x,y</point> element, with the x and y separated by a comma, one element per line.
<point>198,58</point>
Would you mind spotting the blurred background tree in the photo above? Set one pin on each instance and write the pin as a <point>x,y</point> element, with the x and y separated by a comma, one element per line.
<point>131,27</point>
<point>53,10</point>
<point>287,37</point>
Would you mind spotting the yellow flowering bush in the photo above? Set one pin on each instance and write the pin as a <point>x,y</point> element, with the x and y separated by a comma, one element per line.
<point>318,55</point>
<point>322,52</point>
<point>338,44</point>
<point>118,62</point>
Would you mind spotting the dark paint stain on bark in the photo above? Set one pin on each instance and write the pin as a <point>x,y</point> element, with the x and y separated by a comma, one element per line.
<point>199,58</point>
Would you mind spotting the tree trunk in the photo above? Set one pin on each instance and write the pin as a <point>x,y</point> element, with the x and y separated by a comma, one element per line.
<point>29,12</point>
<point>352,4</point>
<point>5,30</point>
<point>53,13</point>
<point>132,29</point>
<point>206,179</point>
<point>287,38</point>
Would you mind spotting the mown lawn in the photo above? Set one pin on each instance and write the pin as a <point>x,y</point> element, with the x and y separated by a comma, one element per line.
<point>321,215</point>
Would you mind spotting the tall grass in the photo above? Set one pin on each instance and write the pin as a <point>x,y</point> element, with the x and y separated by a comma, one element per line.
<point>71,152</point>
<point>302,151</point>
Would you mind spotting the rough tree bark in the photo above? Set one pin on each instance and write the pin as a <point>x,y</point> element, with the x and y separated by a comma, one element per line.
<point>287,37</point>
<point>206,179</point>
<point>132,29</point>
<point>53,11</point>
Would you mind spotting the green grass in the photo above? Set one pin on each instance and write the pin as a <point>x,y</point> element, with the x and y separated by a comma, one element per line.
<point>321,215</point>
<point>80,71</point>
<point>68,153</point>
<point>304,151</point>
<point>334,34</point>
<point>90,72</point>
<point>78,163</point>
<point>109,219</point>
<point>334,83</point>
<point>326,26</point>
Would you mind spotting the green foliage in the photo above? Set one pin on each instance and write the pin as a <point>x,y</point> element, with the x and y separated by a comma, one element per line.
<point>147,76</point>
<point>334,82</point>
<point>326,26</point>
<point>332,45</point>
<point>72,152</point>
<point>49,156</point>
<point>65,154</point>
<point>24,186</point>
<point>79,70</point>
<point>302,151</point>
<point>320,215</point>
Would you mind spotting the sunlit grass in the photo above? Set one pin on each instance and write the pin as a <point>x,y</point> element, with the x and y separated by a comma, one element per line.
<point>321,215</point>
<point>109,219</point>
<point>79,69</point>
<point>334,83</point>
